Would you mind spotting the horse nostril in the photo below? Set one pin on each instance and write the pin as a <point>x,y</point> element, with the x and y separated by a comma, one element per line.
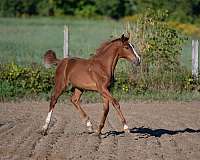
<point>139,60</point>
<point>136,62</point>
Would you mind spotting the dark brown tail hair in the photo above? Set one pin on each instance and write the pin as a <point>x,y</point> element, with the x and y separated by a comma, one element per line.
<point>50,59</point>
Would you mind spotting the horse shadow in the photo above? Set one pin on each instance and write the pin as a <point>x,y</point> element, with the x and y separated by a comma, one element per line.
<point>151,132</point>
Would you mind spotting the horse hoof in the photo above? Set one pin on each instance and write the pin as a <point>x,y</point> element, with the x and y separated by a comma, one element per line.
<point>96,133</point>
<point>90,130</point>
<point>43,132</point>
<point>127,131</point>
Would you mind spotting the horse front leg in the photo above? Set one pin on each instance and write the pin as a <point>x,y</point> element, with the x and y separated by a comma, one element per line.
<point>117,107</point>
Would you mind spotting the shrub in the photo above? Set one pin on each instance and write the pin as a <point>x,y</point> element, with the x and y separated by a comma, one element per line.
<point>35,79</point>
<point>160,47</point>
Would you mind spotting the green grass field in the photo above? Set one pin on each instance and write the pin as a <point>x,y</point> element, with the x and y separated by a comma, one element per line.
<point>24,41</point>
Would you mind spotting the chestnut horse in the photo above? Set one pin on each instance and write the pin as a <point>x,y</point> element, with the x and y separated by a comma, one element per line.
<point>94,74</point>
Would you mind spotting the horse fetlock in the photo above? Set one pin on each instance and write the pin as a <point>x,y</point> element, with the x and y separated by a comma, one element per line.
<point>98,131</point>
<point>44,130</point>
<point>89,126</point>
<point>126,129</point>
<point>45,127</point>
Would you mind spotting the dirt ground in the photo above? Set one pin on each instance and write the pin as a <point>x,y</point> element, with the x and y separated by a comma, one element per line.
<point>159,131</point>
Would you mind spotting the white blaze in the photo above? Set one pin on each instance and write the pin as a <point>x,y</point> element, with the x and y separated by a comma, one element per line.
<point>135,52</point>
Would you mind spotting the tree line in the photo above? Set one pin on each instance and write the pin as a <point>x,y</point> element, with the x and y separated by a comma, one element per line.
<point>179,10</point>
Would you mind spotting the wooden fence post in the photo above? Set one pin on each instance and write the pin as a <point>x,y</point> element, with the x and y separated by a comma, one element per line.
<point>66,42</point>
<point>195,45</point>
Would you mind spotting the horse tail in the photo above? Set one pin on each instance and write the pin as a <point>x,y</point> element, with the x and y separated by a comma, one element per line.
<point>50,59</point>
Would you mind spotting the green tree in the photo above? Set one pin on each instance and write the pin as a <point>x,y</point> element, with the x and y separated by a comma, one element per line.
<point>7,8</point>
<point>111,8</point>
<point>46,7</point>
<point>186,11</point>
<point>85,8</point>
<point>26,7</point>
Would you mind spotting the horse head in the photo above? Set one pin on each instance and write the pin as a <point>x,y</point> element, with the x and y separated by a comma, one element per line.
<point>128,51</point>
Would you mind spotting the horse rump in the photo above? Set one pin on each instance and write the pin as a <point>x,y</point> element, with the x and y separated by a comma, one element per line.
<point>50,59</point>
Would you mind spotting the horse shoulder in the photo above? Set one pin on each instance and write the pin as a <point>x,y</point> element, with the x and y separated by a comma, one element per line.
<point>98,72</point>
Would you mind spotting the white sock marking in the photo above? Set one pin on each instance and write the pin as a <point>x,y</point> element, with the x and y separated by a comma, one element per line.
<point>125,127</point>
<point>89,124</point>
<point>135,52</point>
<point>47,120</point>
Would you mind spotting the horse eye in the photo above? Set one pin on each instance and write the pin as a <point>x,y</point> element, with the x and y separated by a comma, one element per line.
<point>126,47</point>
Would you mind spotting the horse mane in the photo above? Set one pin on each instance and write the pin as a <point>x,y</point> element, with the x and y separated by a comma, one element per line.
<point>103,46</point>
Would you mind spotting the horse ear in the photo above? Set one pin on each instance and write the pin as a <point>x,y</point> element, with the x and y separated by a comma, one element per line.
<point>124,38</point>
<point>128,35</point>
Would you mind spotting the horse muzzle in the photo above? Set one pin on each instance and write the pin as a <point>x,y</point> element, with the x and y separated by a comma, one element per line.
<point>137,61</point>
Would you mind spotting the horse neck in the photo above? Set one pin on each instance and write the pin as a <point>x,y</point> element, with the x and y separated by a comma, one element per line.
<point>109,59</point>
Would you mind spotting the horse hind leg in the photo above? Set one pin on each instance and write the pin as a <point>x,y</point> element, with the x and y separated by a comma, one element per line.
<point>60,86</point>
<point>75,99</point>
